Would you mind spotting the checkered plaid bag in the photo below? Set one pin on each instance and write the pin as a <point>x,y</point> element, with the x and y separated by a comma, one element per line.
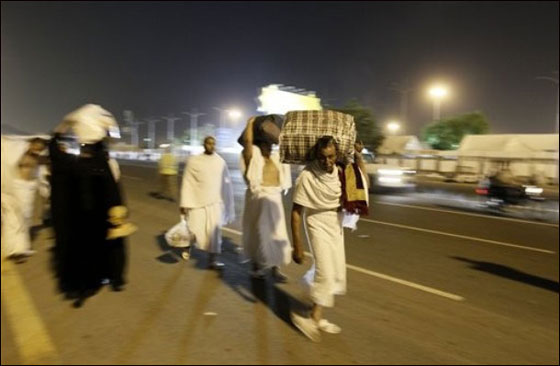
<point>302,129</point>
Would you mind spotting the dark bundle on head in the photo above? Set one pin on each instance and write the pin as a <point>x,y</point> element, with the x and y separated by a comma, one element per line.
<point>266,130</point>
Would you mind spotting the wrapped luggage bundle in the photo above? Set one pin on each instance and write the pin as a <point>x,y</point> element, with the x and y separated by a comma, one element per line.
<point>302,129</point>
<point>266,129</point>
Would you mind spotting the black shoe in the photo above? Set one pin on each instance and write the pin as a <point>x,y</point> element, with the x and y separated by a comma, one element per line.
<point>216,265</point>
<point>117,288</point>
<point>79,302</point>
<point>279,276</point>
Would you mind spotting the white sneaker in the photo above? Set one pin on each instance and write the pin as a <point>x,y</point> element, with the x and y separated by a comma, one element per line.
<point>329,327</point>
<point>307,326</point>
<point>28,253</point>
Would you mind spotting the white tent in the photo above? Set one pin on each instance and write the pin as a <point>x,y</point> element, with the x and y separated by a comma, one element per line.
<point>536,146</point>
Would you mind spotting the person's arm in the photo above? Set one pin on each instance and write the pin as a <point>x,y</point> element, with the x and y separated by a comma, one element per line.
<point>183,210</point>
<point>297,245</point>
<point>358,147</point>
<point>248,142</point>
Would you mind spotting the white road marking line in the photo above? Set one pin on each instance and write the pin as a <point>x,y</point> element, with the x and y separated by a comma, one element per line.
<point>495,242</point>
<point>407,283</point>
<point>385,277</point>
<point>466,213</point>
<point>31,336</point>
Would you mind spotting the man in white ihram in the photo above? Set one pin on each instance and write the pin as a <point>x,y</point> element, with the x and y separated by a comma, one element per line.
<point>207,200</point>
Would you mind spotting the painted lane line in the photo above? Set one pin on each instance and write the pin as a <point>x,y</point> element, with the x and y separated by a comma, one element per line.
<point>385,277</point>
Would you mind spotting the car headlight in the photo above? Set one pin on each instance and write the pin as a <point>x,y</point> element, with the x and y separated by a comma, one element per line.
<point>392,172</point>
<point>533,190</point>
<point>389,180</point>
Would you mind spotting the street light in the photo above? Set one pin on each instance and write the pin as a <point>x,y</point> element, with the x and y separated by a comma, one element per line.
<point>151,131</point>
<point>171,127</point>
<point>233,113</point>
<point>404,89</point>
<point>223,134</point>
<point>555,81</point>
<point>437,92</point>
<point>194,125</point>
<point>393,127</point>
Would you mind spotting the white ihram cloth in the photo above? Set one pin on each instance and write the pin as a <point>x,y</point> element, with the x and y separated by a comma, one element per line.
<point>265,237</point>
<point>18,196</point>
<point>319,193</point>
<point>91,123</point>
<point>207,193</point>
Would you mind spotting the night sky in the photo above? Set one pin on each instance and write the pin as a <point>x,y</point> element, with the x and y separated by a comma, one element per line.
<point>157,58</point>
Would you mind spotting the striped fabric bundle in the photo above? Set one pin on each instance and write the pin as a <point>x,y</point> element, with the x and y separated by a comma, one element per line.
<point>302,129</point>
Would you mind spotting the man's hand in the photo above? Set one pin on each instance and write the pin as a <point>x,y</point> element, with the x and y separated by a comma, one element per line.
<point>358,147</point>
<point>297,247</point>
<point>297,254</point>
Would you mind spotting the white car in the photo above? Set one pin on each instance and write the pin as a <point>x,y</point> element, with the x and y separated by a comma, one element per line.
<point>387,176</point>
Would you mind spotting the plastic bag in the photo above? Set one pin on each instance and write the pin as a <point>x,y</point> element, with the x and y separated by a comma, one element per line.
<point>179,235</point>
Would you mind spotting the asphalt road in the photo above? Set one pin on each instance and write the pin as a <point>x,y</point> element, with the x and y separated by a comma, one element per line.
<point>428,284</point>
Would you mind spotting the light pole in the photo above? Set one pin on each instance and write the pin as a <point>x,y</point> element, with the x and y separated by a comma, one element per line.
<point>403,89</point>
<point>132,124</point>
<point>134,133</point>
<point>171,127</point>
<point>152,131</point>
<point>194,125</point>
<point>437,93</point>
<point>222,114</point>
<point>128,117</point>
<point>233,113</point>
<point>223,136</point>
<point>555,81</point>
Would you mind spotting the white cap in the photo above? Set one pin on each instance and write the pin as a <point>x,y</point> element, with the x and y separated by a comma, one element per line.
<point>91,123</point>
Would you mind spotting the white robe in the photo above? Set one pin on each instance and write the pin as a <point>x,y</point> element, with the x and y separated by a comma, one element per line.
<point>18,197</point>
<point>319,193</point>
<point>207,193</point>
<point>265,236</point>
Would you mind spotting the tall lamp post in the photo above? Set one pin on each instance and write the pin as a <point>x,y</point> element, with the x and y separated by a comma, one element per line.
<point>171,127</point>
<point>437,93</point>
<point>233,114</point>
<point>404,89</point>
<point>152,131</point>
<point>194,125</point>
<point>555,81</point>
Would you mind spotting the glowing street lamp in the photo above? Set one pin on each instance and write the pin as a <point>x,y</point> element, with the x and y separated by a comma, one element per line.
<point>393,127</point>
<point>437,93</point>
<point>234,114</point>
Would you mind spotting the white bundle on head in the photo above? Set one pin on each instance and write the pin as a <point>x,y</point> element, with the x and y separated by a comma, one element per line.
<point>91,123</point>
